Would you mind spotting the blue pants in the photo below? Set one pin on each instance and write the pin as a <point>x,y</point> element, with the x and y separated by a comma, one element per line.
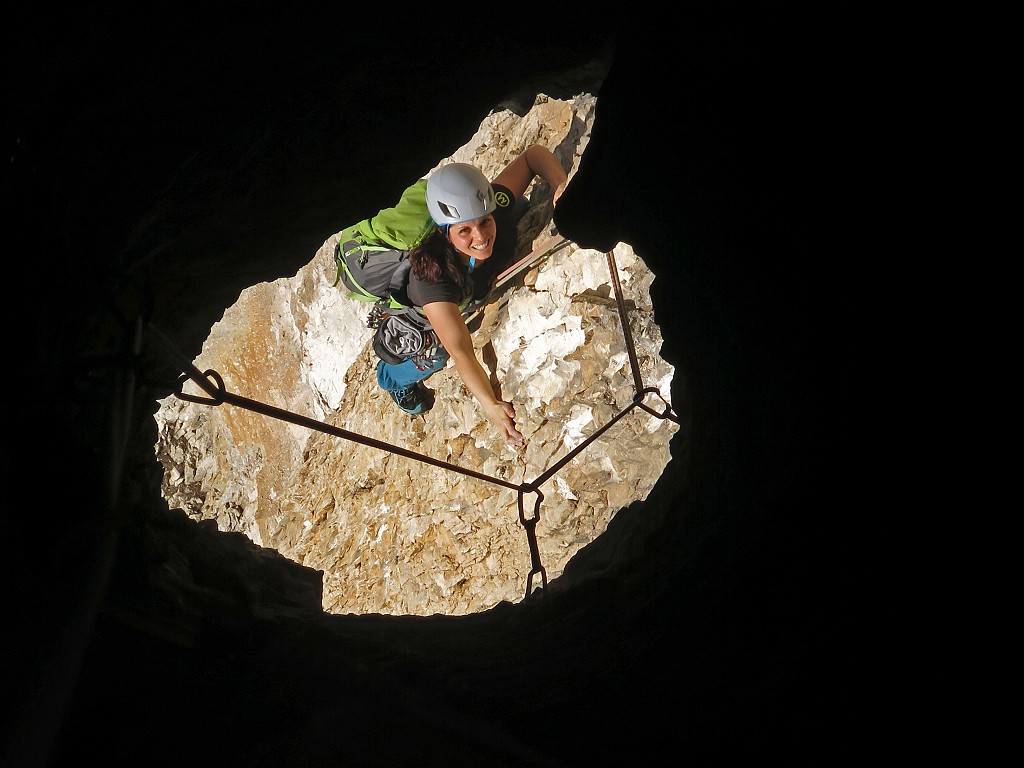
<point>393,378</point>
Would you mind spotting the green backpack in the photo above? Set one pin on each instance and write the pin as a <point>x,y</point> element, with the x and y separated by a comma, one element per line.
<point>372,255</point>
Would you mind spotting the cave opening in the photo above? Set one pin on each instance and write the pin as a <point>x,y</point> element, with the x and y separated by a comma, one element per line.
<point>573,340</point>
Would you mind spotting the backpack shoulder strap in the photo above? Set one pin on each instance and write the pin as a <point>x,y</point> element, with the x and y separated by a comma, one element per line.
<point>400,277</point>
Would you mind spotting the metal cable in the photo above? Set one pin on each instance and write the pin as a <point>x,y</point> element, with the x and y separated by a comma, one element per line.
<point>213,385</point>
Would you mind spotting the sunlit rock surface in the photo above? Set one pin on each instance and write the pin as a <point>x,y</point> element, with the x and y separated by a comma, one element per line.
<point>392,533</point>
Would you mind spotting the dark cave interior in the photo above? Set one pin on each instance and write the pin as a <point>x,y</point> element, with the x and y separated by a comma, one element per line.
<point>733,633</point>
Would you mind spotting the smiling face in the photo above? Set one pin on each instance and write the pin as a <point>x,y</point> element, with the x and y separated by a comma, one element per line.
<point>474,238</point>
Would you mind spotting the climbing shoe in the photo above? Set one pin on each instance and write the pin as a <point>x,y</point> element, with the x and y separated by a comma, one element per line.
<point>415,399</point>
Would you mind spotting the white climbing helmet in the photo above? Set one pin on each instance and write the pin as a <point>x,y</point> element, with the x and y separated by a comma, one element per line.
<point>458,192</point>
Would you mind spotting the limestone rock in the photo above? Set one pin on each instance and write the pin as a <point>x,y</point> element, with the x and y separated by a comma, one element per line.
<point>391,532</point>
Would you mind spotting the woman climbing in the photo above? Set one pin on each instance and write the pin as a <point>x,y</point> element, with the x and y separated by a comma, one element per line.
<point>453,268</point>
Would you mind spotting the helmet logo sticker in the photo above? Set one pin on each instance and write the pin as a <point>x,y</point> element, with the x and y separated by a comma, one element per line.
<point>501,198</point>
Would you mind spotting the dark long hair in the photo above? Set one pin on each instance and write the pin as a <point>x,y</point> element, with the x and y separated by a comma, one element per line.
<point>434,257</point>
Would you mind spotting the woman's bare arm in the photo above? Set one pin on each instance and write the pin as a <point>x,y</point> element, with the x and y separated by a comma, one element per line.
<point>454,336</point>
<point>537,160</point>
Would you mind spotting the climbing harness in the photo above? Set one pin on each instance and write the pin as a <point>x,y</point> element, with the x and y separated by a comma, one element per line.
<point>213,385</point>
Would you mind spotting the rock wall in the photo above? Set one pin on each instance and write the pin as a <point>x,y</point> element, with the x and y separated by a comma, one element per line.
<point>393,534</point>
